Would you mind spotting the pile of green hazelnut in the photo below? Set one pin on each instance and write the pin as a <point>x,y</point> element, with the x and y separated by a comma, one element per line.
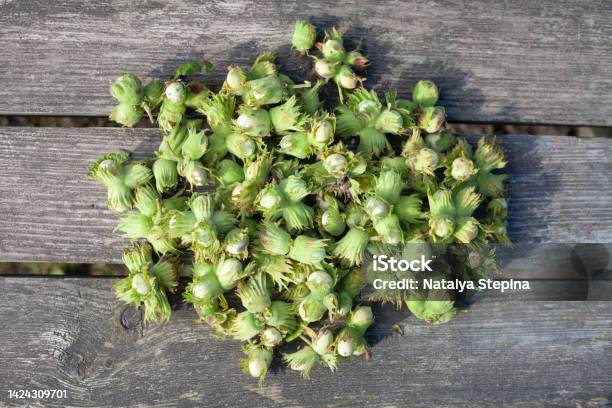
<point>278,195</point>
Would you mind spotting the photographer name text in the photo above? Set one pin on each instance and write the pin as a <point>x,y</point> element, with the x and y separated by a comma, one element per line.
<point>450,284</point>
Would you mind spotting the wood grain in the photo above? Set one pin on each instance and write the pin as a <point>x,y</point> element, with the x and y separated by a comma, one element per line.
<point>528,61</point>
<point>71,334</point>
<point>560,191</point>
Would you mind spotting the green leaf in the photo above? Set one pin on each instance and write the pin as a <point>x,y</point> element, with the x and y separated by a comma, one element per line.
<point>188,68</point>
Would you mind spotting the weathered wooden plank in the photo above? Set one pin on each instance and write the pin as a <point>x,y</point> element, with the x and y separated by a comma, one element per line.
<point>71,334</point>
<point>527,61</point>
<point>48,202</point>
<point>560,191</point>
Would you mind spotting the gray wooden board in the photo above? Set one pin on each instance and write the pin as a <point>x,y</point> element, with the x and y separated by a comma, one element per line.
<point>560,191</point>
<point>524,61</point>
<point>72,334</point>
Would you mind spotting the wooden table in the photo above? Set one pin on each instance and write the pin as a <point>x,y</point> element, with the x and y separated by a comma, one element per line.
<point>540,62</point>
